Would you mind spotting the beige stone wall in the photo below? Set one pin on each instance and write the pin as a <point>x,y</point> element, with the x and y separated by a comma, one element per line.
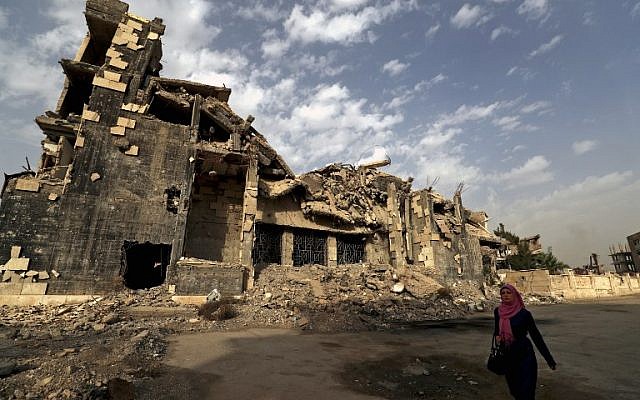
<point>572,286</point>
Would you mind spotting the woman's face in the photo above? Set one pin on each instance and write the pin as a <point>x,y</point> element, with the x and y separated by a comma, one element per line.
<point>506,295</point>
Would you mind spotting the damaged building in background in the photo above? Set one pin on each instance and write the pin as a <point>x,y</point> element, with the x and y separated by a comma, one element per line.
<point>148,181</point>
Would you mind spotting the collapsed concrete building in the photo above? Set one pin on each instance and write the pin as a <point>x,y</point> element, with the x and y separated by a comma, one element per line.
<point>148,181</point>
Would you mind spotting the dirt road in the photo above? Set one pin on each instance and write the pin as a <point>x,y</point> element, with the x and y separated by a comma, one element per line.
<point>595,345</point>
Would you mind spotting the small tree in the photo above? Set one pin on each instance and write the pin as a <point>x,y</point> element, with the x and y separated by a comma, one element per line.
<point>523,260</point>
<point>548,260</point>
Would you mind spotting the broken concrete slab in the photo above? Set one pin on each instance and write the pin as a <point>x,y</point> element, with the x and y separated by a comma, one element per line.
<point>133,151</point>
<point>118,130</point>
<point>17,264</point>
<point>90,115</point>
<point>126,122</point>
<point>15,251</point>
<point>10,288</point>
<point>28,185</point>
<point>34,288</point>
<point>108,84</point>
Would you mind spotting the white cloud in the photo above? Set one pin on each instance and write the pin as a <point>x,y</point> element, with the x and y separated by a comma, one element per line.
<point>534,171</point>
<point>431,32</point>
<point>534,9</point>
<point>330,121</point>
<point>501,30</point>
<point>589,203</point>
<point>588,18</point>
<point>541,107</point>
<point>27,76</point>
<point>583,146</point>
<point>394,67</point>
<point>4,18</point>
<point>260,11</point>
<point>468,16</point>
<point>406,95</point>
<point>347,27</point>
<point>346,4</point>
<point>508,123</point>
<point>546,47</point>
<point>635,11</point>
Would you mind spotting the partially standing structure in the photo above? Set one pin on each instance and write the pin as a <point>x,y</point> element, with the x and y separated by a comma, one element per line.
<point>146,180</point>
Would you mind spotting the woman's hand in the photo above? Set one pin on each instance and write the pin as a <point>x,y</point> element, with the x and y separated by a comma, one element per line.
<point>498,339</point>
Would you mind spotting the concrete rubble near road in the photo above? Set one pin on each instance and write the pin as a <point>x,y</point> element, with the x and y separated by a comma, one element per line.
<point>68,351</point>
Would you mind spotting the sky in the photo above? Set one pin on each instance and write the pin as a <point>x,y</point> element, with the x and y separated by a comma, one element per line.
<point>533,104</point>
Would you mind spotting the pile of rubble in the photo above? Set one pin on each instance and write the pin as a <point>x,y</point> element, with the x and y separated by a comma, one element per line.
<point>360,296</point>
<point>82,350</point>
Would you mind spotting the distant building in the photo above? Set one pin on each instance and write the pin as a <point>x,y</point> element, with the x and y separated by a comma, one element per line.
<point>533,242</point>
<point>634,246</point>
<point>622,259</point>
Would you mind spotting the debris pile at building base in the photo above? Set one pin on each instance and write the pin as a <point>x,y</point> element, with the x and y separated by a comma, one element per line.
<point>358,297</point>
<point>70,351</point>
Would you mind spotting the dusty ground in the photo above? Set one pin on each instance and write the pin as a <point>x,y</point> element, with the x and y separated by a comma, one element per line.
<point>310,333</point>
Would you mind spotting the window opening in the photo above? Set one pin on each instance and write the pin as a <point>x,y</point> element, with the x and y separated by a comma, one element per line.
<point>309,247</point>
<point>267,246</point>
<point>173,199</point>
<point>350,249</point>
<point>210,131</point>
<point>144,265</point>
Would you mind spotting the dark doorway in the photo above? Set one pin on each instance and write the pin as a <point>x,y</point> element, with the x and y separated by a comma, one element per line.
<point>144,265</point>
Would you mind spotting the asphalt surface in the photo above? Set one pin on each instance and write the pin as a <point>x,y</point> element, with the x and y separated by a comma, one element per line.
<point>594,343</point>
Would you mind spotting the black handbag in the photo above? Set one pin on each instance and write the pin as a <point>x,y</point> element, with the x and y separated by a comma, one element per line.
<point>497,362</point>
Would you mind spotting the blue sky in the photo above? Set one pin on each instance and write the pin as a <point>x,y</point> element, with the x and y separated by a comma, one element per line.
<point>533,104</point>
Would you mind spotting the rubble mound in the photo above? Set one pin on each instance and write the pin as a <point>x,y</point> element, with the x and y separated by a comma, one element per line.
<point>356,297</point>
<point>87,350</point>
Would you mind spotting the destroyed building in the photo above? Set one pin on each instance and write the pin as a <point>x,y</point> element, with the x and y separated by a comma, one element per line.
<point>147,181</point>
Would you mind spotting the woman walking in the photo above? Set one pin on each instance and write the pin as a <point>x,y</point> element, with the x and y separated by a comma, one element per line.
<point>512,323</point>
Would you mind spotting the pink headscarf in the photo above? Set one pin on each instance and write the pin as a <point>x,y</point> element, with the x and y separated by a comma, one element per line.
<point>508,310</point>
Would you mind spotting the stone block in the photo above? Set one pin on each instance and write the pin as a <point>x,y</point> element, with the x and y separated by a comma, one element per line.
<point>118,63</point>
<point>153,36</point>
<point>15,251</point>
<point>112,76</point>
<point>107,84</point>
<point>133,46</point>
<point>126,122</point>
<point>95,176</point>
<point>28,185</point>
<point>9,288</point>
<point>113,53</point>
<point>90,115</point>
<point>43,275</point>
<point>17,264</point>
<point>79,141</point>
<point>133,151</point>
<point>125,28</point>
<point>53,196</point>
<point>134,24</point>
<point>118,130</point>
<point>34,288</point>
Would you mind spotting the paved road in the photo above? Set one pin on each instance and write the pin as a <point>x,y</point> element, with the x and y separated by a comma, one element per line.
<point>595,344</point>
